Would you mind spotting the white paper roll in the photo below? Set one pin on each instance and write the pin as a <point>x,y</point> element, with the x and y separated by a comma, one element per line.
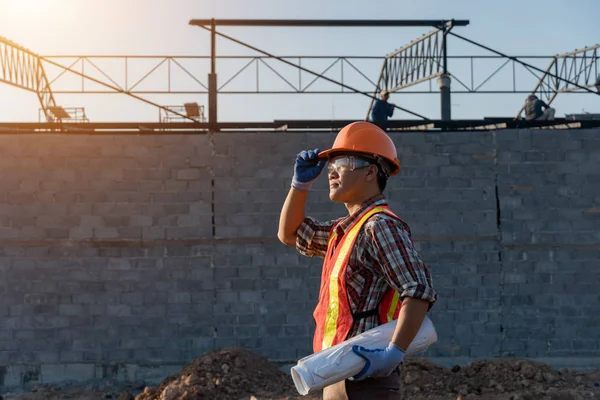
<point>339,362</point>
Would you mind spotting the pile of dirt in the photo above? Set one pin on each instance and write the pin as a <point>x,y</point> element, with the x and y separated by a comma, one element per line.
<point>232,373</point>
<point>235,373</point>
<point>500,379</point>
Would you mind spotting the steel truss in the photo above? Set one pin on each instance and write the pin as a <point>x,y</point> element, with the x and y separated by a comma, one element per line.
<point>476,80</point>
<point>22,68</point>
<point>414,63</point>
<point>578,69</point>
<point>419,61</point>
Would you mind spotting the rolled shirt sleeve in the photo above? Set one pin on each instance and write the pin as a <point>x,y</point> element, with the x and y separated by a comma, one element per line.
<point>312,237</point>
<point>399,261</point>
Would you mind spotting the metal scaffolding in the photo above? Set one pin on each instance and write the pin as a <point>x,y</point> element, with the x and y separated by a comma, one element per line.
<point>22,68</point>
<point>180,75</point>
<point>407,70</point>
<point>421,60</point>
<point>568,72</point>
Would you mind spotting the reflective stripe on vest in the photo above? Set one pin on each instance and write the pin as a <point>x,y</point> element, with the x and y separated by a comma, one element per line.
<point>333,309</point>
<point>392,309</point>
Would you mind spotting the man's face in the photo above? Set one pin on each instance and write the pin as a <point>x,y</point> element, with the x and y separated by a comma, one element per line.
<point>385,96</point>
<point>347,175</point>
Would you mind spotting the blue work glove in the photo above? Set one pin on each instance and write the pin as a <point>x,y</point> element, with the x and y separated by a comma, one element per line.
<point>307,168</point>
<point>380,362</point>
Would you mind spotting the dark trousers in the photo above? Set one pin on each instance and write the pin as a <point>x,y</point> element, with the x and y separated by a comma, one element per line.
<point>388,388</point>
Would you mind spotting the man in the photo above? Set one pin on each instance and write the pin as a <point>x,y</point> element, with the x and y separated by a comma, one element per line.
<point>533,109</point>
<point>371,266</point>
<point>382,110</point>
<point>598,83</point>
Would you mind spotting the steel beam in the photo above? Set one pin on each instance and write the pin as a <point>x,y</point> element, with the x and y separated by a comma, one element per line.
<point>328,22</point>
<point>278,125</point>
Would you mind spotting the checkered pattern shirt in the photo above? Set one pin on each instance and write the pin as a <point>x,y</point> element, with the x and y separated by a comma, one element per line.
<point>383,256</point>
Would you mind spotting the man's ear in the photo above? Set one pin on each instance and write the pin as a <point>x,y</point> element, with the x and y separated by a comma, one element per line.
<point>371,173</point>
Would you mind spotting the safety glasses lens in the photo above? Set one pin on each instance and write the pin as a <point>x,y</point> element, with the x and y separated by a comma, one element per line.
<point>347,164</point>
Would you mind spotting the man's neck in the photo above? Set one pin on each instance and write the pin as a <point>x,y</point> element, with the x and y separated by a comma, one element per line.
<point>356,205</point>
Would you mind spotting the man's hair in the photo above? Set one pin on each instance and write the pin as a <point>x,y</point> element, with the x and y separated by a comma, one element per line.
<point>382,170</point>
<point>381,180</point>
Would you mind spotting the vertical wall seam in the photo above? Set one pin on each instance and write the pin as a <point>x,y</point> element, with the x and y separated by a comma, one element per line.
<point>499,239</point>
<point>214,226</point>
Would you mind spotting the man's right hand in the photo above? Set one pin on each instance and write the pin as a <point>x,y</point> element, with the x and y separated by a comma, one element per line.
<point>307,168</point>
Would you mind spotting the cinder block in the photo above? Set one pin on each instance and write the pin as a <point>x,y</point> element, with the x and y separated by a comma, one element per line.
<point>140,220</point>
<point>53,373</point>
<point>201,208</point>
<point>153,232</point>
<point>188,220</point>
<point>132,299</point>
<point>118,310</point>
<point>71,309</point>
<point>79,372</point>
<point>119,264</point>
<point>178,309</point>
<point>250,296</point>
<point>246,331</point>
<point>202,230</point>
<point>244,284</point>
<point>180,298</point>
<point>106,233</point>
<point>188,174</point>
<point>70,357</point>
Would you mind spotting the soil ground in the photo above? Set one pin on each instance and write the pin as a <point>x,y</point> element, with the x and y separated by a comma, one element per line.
<point>234,373</point>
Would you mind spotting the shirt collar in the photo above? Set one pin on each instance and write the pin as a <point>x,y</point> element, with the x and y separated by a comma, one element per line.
<point>378,200</point>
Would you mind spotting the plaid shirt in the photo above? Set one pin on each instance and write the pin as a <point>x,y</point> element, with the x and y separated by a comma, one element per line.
<point>382,256</point>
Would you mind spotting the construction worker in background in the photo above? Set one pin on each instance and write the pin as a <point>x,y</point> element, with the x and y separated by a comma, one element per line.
<point>533,109</point>
<point>382,110</point>
<point>371,267</point>
<point>598,83</point>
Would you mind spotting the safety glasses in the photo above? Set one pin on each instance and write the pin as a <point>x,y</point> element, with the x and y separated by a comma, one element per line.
<point>346,163</point>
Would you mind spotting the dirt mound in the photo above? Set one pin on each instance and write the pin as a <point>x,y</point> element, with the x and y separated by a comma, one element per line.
<point>234,373</point>
<point>231,373</point>
<point>510,379</point>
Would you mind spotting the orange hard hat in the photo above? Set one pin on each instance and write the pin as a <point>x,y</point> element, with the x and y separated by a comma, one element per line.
<point>366,138</point>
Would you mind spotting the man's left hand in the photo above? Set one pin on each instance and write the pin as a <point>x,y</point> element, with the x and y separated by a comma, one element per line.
<point>379,362</point>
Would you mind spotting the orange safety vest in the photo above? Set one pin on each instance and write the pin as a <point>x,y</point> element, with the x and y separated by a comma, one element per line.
<point>332,315</point>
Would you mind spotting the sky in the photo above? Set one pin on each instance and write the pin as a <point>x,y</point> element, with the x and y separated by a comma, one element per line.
<point>161,28</point>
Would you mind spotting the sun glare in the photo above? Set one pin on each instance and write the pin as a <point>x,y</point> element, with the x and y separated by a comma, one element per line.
<point>36,24</point>
<point>34,14</point>
<point>12,7</point>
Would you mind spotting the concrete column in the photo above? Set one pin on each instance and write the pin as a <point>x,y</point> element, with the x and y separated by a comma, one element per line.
<point>212,100</point>
<point>444,84</point>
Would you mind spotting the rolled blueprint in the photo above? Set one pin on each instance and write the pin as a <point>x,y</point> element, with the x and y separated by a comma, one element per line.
<point>339,362</point>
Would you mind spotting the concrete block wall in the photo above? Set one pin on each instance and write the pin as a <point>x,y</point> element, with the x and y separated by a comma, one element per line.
<point>549,190</point>
<point>129,255</point>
